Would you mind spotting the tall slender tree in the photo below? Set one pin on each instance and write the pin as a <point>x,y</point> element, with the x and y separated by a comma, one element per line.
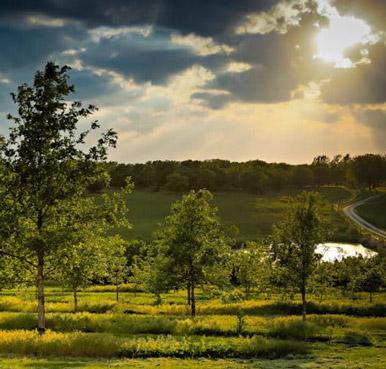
<point>46,169</point>
<point>294,242</point>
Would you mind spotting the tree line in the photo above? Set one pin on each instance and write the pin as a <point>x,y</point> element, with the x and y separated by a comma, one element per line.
<point>256,176</point>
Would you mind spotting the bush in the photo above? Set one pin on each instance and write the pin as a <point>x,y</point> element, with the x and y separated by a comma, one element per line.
<point>355,338</point>
<point>292,329</point>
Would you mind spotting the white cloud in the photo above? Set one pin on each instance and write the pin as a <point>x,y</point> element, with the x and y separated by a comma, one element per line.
<point>4,80</point>
<point>202,46</point>
<point>279,18</point>
<point>43,20</point>
<point>237,67</point>
<point>96,34</point>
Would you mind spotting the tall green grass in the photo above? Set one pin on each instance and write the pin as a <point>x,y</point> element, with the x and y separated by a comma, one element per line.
<point>290,327</point>
<point>77,344</point>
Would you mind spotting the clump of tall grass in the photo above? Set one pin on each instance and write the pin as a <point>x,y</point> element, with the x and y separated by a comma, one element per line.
<point>355,338</point>
<point>292,329</point>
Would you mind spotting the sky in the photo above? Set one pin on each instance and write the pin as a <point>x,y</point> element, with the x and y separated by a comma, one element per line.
<point>275,80</point>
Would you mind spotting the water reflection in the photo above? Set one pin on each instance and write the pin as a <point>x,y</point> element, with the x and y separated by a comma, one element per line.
<point>331,251</point>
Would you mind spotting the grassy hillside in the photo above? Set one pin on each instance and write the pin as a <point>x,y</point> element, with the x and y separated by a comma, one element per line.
<point>253,214</point>
<point>374,212</point>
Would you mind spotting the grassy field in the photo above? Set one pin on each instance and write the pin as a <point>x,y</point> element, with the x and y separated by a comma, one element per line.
<point>374,212</point>
<point>137,333</point>
<point>253,214</point>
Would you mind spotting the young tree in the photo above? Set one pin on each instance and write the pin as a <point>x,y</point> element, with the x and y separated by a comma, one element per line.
<point>80,265</point>
<point>150,273</point>
<point>372,277</point>
<point>251,265</point>
<point>322,279</point>
<point>294,241</point>
<point>117,263</point>
<point>191,243</point>
<point>46,171</point>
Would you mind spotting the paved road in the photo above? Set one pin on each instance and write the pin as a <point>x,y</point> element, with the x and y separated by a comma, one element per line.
<point>349,211</point>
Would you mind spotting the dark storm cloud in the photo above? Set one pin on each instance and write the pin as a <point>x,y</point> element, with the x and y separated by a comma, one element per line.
<point>25,49</point>
<point>89,86</point>
<point>204,17</point>
<point>365,84</point>
<point>146,58</point>
<point>153,58</point>
<point>279,62</point>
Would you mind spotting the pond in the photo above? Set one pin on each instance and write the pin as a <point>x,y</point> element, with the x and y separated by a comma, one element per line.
<point>332,251</point>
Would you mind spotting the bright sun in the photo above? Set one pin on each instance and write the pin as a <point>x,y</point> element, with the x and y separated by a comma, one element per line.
<point>342,33</point>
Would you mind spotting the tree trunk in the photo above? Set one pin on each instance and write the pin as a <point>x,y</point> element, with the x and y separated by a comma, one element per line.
<point>117,291</point>
<point>193,301</point>
<point>41,298</point>
<point>247,290</point>
<point>304,302</point>
<point>189,297</point>
<point>371,297</point>
<point>75,301</point>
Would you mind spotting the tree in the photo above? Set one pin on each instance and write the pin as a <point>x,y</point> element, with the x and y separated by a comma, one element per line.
<point>117,265</point>
<point>321,170</point>
<point>251,266</point>
<point>82,264</point>
<point>322,279</point>
<point>191,244</point>
<point>369,170</point>
<point>149,272</point>
<point>373,278</point>
<point>294,241</point>
<point>46,171</point>
<point>176,182</point>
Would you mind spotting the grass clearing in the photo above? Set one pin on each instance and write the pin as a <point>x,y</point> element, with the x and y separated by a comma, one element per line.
<point>253,214</point>
<point>374,212</point>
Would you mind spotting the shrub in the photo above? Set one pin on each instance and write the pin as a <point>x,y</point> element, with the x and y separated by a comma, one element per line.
<point>292,329</point>
<point>355,338</point>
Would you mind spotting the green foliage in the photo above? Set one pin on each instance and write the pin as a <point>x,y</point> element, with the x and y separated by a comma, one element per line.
<point>355,338</point>
<point>105,345</point>
<point>46,172</point>
<point>251,267</point>
<point>254,176</point>
<point>295,329</point>
<point>294,242</point>
<point>191,247</point>
<point>369,170</point>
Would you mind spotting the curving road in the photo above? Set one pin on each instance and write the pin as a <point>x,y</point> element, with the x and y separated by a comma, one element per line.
<point>349,211</point>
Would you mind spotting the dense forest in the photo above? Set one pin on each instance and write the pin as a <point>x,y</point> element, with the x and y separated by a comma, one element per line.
<point>256,176</point>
